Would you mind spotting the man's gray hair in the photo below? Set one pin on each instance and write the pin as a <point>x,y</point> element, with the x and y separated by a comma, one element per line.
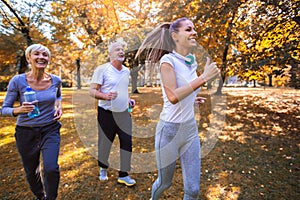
<point>113,44</point>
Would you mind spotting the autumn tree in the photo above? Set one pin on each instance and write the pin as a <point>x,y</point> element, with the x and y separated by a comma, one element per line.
<point>214,22</point>
<point>234,33</point>
<point>85,28</point>
<point>22,19</point>
<point>269,42</point>
<point>254,39</point>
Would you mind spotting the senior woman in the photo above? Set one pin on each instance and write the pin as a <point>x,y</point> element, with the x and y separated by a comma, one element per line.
<point>41,134</point>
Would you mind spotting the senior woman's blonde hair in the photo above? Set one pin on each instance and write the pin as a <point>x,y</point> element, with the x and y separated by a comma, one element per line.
<point>36,47</point>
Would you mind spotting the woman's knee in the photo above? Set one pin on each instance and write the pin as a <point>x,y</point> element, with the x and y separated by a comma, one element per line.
<point>51,169</point>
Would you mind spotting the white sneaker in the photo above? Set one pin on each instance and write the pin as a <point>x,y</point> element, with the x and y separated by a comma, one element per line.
<point>103,174</point>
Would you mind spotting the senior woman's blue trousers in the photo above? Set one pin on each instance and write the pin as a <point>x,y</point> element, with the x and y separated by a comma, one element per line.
<point>31,142</point>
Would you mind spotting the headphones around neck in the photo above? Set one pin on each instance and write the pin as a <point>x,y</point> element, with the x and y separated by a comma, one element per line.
<point>189,59</point>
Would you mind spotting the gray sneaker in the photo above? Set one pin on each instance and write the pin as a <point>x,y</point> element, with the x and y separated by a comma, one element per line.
<point>126,180</point>
<point>103,174</point>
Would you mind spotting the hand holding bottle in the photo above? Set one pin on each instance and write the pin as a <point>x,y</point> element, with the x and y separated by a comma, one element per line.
<point>111,95</point>
<point>200,100</point>
<point>30,100</point>
<point>131,105</point>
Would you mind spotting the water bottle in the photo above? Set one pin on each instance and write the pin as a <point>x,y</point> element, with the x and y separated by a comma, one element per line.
<point>30,96</point>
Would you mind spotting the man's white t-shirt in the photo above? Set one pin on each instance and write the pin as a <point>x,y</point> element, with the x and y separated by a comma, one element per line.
<point>184,109</point>
<point>113,80</point>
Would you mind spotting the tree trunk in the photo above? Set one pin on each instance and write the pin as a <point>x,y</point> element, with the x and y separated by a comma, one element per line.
<point>223,69</point>
<point>295,77</point>
<point>225,53</point>
<point>78,73</point>
<point>220,86</point>
<point>270,80</point>
<point>23,65</point>
<point>149,73</point>
<point>134,75</point>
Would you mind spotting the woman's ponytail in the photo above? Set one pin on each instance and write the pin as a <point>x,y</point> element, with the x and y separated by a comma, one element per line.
<point>157,43</point>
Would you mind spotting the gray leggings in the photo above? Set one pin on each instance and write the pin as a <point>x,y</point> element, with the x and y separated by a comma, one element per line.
<point>173,140</point>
